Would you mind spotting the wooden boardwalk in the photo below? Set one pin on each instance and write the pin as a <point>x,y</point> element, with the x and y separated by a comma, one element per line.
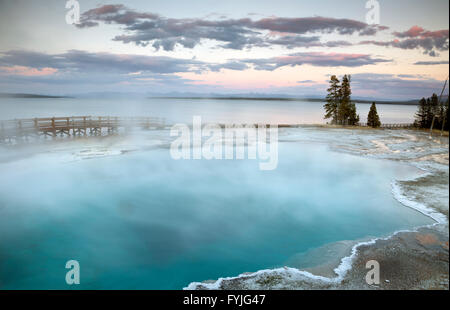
<point>24,129</point>
<point>14,131</point>
<point>392,126</point>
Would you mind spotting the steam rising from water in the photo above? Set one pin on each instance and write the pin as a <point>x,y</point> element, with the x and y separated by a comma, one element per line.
<point>135,218</point>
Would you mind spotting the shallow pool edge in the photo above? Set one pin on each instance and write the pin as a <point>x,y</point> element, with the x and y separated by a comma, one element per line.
<point>346,263</point>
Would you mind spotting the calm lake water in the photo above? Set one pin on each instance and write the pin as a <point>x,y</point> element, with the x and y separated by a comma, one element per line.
<point>144,221</point>
<point>182,110</point>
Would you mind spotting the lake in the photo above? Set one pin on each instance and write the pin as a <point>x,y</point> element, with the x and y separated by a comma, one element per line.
<point>182,110</point>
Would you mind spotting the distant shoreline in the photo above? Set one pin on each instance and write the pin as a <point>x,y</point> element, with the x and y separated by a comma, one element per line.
<point>6,95</point>
<point>363,101</point>
<point>287,99</point>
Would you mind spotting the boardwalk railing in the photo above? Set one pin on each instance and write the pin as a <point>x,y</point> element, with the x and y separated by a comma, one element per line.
<point>22,129</point>
<point>391,126</point>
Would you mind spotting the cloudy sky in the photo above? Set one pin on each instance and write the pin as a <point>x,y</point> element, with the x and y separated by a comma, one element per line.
<point>206,46</point>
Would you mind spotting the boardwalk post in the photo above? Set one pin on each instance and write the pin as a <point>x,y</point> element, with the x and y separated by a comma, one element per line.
<point>53,127</point>
<point>2,131</point>
<point>91,126</point>
<point>36,127</point>
<point>73,126</point>
<point>84,126</point>
<point>98,130</point>
<point>20,131</point>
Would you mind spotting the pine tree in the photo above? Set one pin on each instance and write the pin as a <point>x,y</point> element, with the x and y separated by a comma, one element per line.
<point>346,109</point>
<point>353,118</point>
<point>343,103</point>
<point>428,114</point>
<point>373,120</point>
<point>433,110</point>
<point>441,117</point>
<point>333,98</point>
<point>421,115</point>
<point>429,109</point>
<point>339,106</point>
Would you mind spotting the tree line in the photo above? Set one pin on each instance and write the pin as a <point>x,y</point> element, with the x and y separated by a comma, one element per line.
<point>340,108</point>
<point>432,112</point>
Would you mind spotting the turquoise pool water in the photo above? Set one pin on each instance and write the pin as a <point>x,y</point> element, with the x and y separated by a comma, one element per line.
<point>144,221</point>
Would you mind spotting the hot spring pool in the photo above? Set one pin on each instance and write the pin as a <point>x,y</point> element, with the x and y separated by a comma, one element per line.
<point>144,221</point>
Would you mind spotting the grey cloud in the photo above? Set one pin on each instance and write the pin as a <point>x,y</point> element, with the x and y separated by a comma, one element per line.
<point>165,33</point>
<point>293,41</point>
<point>79,66</point>
<point>81,61</point>
<point>427,63</point>
<point>112,13</point>
<point>314,59</point>
<point>105,70</point>
<point>315,24</point>
<point>231,65</point>
<point>337,43</point>
<point>395,85</point>
<point>418,38</point>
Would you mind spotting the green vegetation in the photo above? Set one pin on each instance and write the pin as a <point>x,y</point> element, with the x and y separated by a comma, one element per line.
<point>333,99</point>
<point>339,106</point>
<point>373,120</point>
<point>431,112</point>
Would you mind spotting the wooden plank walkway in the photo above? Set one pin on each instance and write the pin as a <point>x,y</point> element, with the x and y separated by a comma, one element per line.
<point>392,126</point>
<point>17,130</point>
<point>22,129</point>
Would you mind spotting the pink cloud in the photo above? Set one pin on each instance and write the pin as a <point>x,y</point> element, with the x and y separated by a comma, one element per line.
<point>435,34</point>
<point>279,34</point>
<point>418,37</point>
<point>419,32</point>
<point>316,58</point>
<point>28,71</point>
<point>414,31</point>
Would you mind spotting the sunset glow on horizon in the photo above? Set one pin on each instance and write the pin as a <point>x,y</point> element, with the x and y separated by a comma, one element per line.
<point>292,49</point>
